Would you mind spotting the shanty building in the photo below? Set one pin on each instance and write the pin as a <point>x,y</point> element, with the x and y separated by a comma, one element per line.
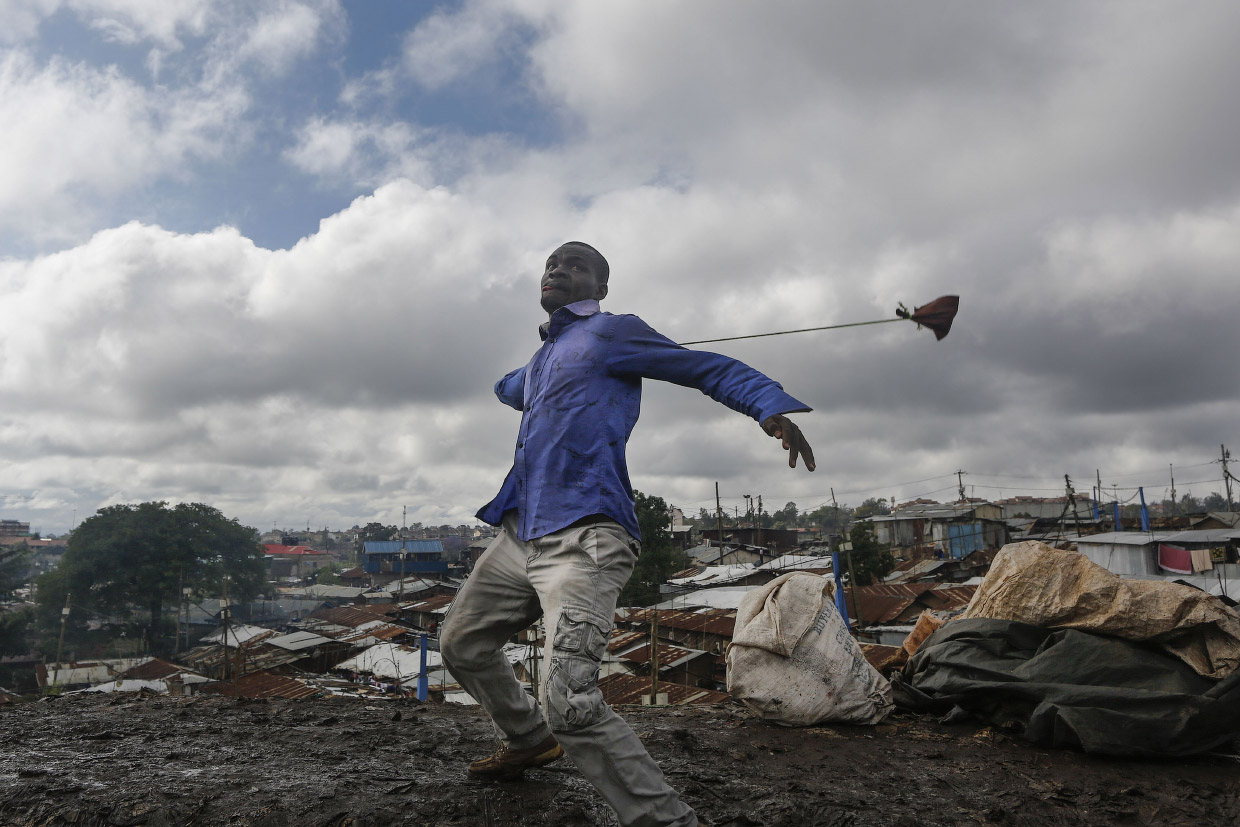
<point>943,530</point>
<point>387,560</point>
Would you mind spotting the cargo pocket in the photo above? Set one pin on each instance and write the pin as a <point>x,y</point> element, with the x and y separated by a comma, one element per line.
<point>574,700</point>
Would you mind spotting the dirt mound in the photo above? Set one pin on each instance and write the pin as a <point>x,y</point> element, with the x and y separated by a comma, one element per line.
<point>127,760</point>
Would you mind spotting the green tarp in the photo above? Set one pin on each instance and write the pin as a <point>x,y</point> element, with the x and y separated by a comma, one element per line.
<point>1068,688</point>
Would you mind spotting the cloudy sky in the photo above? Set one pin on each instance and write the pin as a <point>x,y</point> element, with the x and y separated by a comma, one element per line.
<point>272,254</point>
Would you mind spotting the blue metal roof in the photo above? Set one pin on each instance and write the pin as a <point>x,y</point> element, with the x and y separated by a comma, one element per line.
<point>397,546</point>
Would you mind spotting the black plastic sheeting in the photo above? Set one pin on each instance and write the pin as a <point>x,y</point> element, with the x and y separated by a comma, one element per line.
<point>1068,688</point>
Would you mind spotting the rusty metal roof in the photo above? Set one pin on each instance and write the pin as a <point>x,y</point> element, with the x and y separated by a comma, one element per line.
<point>712,621</point>
<point>383,631</point>
<point>430,604</point>
<point>619,688</point>
<point>670,656</point>
<point>622,639</point>
<point>888,602</point>
<point>155,669</point>
<point>351,616</point>
<point>265,685</point>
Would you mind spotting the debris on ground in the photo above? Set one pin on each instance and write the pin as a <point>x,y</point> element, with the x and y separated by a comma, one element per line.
<point>211,761</point>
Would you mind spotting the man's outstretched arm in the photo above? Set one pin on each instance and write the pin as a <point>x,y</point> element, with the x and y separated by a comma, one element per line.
<point>794,442</point>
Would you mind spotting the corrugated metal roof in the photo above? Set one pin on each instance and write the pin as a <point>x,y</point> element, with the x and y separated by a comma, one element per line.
<point>351,616</point>
<point>1127,538</point>
<point>622,639</point>
<point>239,634</point>
<point>439,602</point>
<point>298,641</point>
<point>409,546</point>
<point>155,669</point>
<point>629,689</point>
<point>712,621</point>
<point>391,660</point>
<point>85,672</point>
<point>704,575</point>
<point>798,562</point>
<point>277,550</point>
<point>722,597</point>
<point>670,656</point>
<point>265,685</point>
<point>326,592</point>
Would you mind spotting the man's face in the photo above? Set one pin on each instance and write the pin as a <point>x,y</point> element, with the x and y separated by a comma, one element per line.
<point>571,275</point>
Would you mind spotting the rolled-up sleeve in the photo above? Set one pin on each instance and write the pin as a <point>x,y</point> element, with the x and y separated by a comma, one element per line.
<point>637,349</point>
<point>511,389</point>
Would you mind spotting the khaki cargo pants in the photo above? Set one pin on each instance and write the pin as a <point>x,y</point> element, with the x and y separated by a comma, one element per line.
<point>572,578</point>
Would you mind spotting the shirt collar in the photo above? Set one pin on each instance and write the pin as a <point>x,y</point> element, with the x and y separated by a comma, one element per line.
<point>566,315</point>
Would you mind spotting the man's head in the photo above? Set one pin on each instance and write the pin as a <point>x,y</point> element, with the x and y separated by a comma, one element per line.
<point>574,272</point>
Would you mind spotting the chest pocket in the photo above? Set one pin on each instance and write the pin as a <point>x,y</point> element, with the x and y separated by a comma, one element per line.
<point>570,378</point>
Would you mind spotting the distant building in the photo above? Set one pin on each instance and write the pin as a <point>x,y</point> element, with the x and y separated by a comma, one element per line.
<point>1047,508</point>
<point>391,559</point>
<point>941,530</point>
<point>12,531</point>
<point>293,561</point>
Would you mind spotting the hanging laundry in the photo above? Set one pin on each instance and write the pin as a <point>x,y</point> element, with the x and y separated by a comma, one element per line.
<point>1175,558</point>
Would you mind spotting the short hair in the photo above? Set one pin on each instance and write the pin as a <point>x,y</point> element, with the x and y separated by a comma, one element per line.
<point>604,269</point>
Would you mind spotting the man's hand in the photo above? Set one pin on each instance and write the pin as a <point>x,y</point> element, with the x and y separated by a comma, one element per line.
<point>783,428</point>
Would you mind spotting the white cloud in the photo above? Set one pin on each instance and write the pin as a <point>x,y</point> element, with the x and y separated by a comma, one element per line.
<point>78,135</point>
<point>1062,168</point>
<point>22,18</point>
<point>448,45</point>
<point>134,21</point>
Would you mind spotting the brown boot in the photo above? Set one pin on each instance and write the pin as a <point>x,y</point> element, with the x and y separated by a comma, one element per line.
<point>508,763</point>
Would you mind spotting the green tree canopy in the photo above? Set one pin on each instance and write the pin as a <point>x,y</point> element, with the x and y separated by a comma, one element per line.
<point>1214,501</point>
<point>658,559</point>
<point>871,507</point>
<point>128,556</point>
<point>14,568</point>
<point>870,559</point>
<point>786,517</point>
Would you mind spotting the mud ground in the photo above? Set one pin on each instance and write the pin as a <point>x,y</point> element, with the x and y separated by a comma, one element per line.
<point>129,760</point>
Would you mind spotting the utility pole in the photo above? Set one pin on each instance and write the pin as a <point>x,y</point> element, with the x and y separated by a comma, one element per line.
<point>654,655</point>
<point>759,522</point>
<point>1172,467</point>
<point>960,483</point>
<point>404,521</point>
<point>718,515</point>
<point>1227,477</point>
<point>60,644</point>
<point>176,645</point>
<point>1072,503</point>
<point>852,577</point>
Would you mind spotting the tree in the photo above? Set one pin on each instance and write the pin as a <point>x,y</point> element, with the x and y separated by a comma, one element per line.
<point>329,574</point>
<point>786,517</point>
<point>128,556</point>
<point>658,559</point>
<point>374,531</point>
<point>1214,501</point>
<point>14,568</point>
<point>14,631</point>
<point>871,507</point>
<point>870,559</point>
<point>829,519</point>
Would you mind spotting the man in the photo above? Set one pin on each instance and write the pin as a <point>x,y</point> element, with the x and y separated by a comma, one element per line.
<point>570,535</point>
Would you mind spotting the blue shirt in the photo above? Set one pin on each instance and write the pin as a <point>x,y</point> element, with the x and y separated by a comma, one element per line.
<point>579,399</point>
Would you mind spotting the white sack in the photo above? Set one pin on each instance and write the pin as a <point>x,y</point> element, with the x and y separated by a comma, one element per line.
<point>793,662</point>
